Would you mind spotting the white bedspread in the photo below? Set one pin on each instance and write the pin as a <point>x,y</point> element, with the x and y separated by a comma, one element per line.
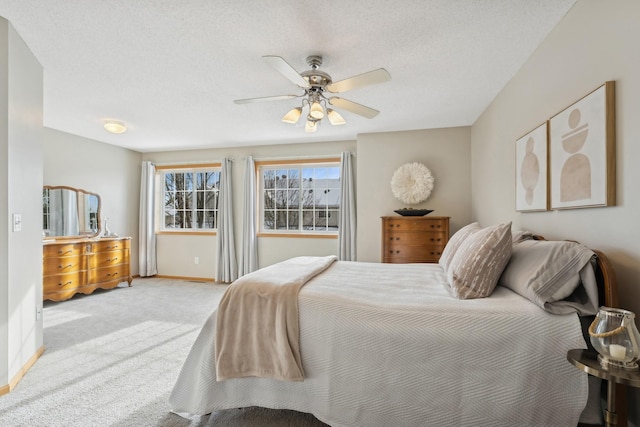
<point>385,345</point>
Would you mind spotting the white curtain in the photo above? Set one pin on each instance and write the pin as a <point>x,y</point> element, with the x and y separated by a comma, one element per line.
<point>147,247</point>
<point>347,218</point>
<point>227,264</point>
<point>249,256</point>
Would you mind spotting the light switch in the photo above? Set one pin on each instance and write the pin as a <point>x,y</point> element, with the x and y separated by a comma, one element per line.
<point>17,222</point>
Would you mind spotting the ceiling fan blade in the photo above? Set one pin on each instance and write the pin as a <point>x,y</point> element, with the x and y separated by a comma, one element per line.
<point>286,70</point>
<point>372,77</point>
<point>265,98</point>
<point>353,107</point>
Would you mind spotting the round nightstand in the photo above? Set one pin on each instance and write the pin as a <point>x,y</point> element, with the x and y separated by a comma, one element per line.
<point>587,361</point>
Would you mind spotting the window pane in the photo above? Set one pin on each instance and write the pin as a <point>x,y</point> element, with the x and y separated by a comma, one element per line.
<point>281,220</point>
<point>269,178</point>
<point>269,220</point>
<point>307,220</point>
<point>269,199</point>
<point>211,201</point>
<point>307,198</point>
<point>213,180</point>
<point>210,219</point>
<point>199,199</point>
<point>332,220</point>
<point>281,199</point>
<point>293,220</point>
<point>188,181</point>
<point>281,178</point>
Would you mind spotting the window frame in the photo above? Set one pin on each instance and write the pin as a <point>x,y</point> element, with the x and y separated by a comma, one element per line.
<point>289,164</point>
<point>161,170</point>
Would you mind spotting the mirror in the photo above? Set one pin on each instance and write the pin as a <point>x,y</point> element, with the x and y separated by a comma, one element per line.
<point>69,212</point>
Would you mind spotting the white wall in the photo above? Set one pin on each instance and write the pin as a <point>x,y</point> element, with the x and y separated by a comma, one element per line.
<point>20,192</point>
<point>446,152</point>
<point>595,42</point>
<point>111,172</point>
<point>176,253</point>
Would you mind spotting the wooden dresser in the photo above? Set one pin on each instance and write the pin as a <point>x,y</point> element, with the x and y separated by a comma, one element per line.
<point>84,265</point>
<point>407,239</point>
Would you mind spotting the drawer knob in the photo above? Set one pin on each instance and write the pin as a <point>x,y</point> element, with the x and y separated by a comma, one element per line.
<point>65,266</point>
<point>64,284</point>
<point>61,252</point>
<point>114,259</point>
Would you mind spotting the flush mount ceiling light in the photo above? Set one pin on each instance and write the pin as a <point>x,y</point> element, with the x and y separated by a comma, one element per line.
<point>314,83</point>
<point>114,126</point>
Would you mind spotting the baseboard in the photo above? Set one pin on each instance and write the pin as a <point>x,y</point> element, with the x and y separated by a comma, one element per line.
<point>194,279</point>
<point>5,389</point>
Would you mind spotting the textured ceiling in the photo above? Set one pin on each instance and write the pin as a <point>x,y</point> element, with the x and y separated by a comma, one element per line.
<point>170,69</point>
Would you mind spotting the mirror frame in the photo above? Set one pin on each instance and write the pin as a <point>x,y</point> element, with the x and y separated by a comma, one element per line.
<point>77,190</point>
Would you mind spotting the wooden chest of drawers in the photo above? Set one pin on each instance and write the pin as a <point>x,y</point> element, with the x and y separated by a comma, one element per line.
<point>82,266</point>
<point>408,239</point>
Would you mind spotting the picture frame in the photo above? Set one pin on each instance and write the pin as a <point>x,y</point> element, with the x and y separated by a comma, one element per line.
<point>582,168</point>
<point>532,183</point>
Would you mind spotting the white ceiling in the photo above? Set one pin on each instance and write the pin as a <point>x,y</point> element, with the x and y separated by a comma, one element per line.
<point>170,69</point>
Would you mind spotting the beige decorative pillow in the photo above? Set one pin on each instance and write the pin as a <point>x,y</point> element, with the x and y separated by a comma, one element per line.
<point>454,243</point>
<point>479,261</point>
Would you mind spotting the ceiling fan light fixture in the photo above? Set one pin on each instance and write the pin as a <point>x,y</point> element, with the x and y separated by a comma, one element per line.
<point>293,116</point>
<point>311,126</point>
<point>114,126</point>
<point>316,110</point>
<point>335,118</point>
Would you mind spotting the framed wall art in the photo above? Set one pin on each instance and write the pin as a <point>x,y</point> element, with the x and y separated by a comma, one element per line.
<point>582,152</point>
<point>531,171</point>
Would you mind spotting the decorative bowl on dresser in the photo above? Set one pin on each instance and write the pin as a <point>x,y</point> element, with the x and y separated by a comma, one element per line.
<point>408,239</point>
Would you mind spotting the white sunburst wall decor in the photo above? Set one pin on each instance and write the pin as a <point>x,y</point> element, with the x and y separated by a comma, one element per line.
<point>412,183</point>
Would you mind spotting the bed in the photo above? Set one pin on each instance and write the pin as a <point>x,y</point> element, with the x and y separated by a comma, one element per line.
<point>392,344</point>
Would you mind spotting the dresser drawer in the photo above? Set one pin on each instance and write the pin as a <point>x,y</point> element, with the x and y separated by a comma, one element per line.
<point>110,245</point>
<point>415,224</point>
<point>106,259</point>
<point>410,238</point>
<point>63,282</point>
<point>68,249</point>
<point>61,265</point>
<point>410,260</point>
<point>417,252</point>
<point>107,274</point>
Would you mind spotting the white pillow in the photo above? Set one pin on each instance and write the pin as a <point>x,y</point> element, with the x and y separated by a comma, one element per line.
<point>479,261</point>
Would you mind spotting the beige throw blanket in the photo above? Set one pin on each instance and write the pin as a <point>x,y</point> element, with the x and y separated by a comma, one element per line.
<point>257,329</point>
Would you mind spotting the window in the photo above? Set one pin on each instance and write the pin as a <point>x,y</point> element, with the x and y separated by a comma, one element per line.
<point>300,197</point>
<point>190,198</point>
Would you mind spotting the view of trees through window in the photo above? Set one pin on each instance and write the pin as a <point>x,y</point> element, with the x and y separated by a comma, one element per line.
<point>191,199</point>
<point>303,198</point>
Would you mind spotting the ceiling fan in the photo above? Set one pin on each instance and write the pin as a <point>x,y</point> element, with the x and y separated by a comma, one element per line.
<point>315,83</point>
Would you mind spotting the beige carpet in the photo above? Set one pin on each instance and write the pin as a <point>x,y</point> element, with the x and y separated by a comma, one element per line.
<point>112,358</point>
